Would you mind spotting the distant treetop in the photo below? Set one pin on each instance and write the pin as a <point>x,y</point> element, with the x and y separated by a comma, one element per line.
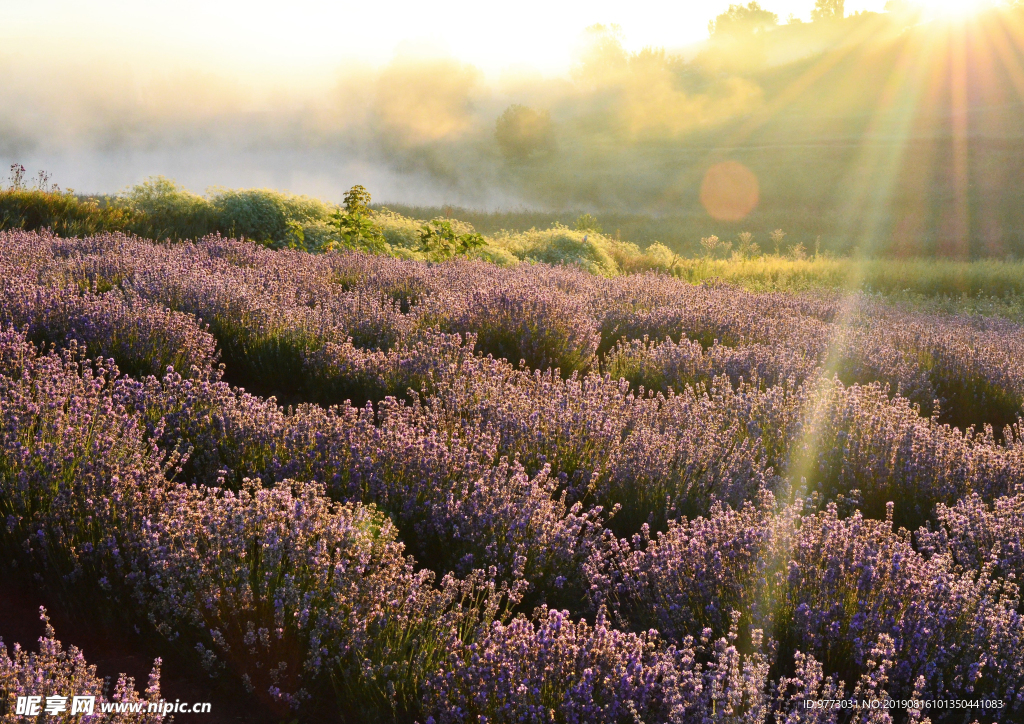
<point>357,200</point>
<point>522,132</point>
<point>744,20</point>
<point>828,10</point>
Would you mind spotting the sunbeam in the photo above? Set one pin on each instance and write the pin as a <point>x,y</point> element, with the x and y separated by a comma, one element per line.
<point>954,9</point>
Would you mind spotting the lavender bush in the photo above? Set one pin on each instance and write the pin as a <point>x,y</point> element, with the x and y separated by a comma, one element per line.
<point>286,589</point>
<point>143,338</point>
<point>54,671</point>
<point>555,669</point>
<point>77,471</point>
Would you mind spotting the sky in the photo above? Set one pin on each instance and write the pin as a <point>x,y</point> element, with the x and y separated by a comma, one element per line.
<point>257,36</point>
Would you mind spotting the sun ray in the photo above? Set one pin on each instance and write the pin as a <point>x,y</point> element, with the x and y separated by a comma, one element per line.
<point>1001,36</point>
<point>855,41</point>
<point>959,123</point>
<point>953,9</point>
<point>876,173</point>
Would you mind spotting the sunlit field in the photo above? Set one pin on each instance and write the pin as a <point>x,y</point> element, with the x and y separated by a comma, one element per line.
<point>663,386</point>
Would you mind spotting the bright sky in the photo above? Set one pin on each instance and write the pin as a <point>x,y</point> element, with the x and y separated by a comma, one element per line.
<point>265,35</point>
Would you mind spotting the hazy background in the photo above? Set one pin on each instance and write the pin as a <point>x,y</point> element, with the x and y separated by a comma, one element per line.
<point>874,130</point>
<point>307,96</point>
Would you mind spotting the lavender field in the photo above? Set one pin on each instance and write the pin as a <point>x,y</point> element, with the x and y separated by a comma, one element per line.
<point>369,490</point>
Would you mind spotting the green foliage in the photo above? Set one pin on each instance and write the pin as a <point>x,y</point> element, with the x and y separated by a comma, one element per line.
<point>713,246</point>
<point>586,222</point>
<point>592,251</point>
<point>47,207</point>
<point>61,211</point>
<point>295,238</point>
<point>987,286</point>
<point>680,232</point>
<point>161,209</point>
<point>496,255</point>
<point>357,200</point>
<point>358,231</point>
<point>356,226</point>
<point>561,245</point>
<point>440,241</point>
<point>402,232</point>
<point>777,236</point>
<point>746,248</point>
<point>254,214</point>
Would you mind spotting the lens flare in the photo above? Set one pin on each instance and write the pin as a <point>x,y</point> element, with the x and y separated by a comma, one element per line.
<point>729,191</point>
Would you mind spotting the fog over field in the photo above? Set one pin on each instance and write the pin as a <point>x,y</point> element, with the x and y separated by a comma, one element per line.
<point>414,118</point>
<point>884,131</point>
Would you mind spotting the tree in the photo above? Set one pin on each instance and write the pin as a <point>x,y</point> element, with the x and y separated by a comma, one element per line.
<point>741,20</point>
<point>522,132</point>
<point>355,225</point>
<point>600,55</point>
<point>357,200</point>
<point>828,10</point>
<point>586,222</point>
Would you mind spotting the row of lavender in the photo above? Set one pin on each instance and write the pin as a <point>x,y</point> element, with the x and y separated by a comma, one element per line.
<point>707,532</point>
<point>309,322</point>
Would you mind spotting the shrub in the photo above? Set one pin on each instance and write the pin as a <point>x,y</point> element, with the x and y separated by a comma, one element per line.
<point>356,226</point>
<point>341,371</point>
<point>840,592</point>
<point>59,672</point>
<point>703,447</point>
<point>141,337</point>
<point>258,215</point>
<point>670,366</point>
<point>440,242</point>
<point>516,322</point>
<point>978,535</point>
<point>757,484</point>
<point>557,669</point>
<point>586,222</point>
<point>560,245</point>
<point>76,472</point>
<point>62,212</point>
<point>163,210</point>
<point>293,593</point>
<point>691,576</point>
<point>856,439</point>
